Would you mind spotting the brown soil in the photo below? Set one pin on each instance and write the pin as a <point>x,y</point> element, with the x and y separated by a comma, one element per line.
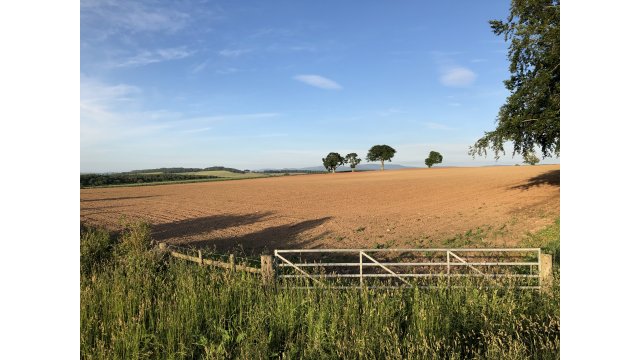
<point>402,208</point>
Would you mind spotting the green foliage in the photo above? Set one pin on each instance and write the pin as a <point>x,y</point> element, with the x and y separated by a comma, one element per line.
<point>96,246</point>
<point>353,160</point>
<point>530,158</point>
<point>140,305</point>
<point>531,114</point>
<point>434,158</point>
<point>90,180</point>
<point>381,153</point>
<point>332,161</point>
<point>548,239</point>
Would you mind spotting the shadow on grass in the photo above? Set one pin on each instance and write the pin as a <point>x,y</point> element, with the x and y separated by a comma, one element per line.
<point>549,178</point>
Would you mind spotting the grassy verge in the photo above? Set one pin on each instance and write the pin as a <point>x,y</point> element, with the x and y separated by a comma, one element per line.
<point>136,303</point>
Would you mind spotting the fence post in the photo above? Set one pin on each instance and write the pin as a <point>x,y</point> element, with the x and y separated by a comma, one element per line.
<point>267,270</point>
<point>232,262</point>
<point>546,273</point>
<point>448,269</point>
<point>200,258</point>
<point>361,278</point>
<point>162,246</point>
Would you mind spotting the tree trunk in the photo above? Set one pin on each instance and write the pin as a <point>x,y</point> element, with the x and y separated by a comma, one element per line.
<point>352,169</point>
<point>333,171</point>
<point>382,161</point>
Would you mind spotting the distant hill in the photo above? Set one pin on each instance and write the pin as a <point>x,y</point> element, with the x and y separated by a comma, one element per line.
<point>361,167</point>
<point>176,170</point>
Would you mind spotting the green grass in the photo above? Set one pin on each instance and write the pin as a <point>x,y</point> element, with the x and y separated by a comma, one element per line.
<point>137,303</point>
<point>548,239</point>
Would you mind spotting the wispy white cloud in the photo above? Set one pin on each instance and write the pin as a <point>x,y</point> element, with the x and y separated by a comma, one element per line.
<point>230,117</point>
<point>318,81</point>
<point>234,52</point>
<point>147,57</point>
<point>133,16</point>
<point>457,76</point>
<point>159,55</point>
<point>201,66</point>
<point>112,115</point>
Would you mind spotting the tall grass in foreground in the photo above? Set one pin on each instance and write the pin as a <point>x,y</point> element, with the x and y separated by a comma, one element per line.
<point>135,304</point>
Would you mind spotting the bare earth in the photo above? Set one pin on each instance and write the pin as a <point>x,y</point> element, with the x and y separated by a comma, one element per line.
<point>402,208</point>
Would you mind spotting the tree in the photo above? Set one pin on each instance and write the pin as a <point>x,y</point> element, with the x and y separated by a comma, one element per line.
<point>332,161</point>
<point>353,160</point>
<point>530,158</point>
<point>381,153</point>
<point>531,114</point>
<point>434,158</point>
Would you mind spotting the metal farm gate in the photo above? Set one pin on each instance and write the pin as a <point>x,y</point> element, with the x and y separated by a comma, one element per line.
<point>522,268</point>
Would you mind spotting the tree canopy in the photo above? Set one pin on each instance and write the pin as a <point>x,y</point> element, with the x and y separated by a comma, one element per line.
<point>530,116</point>
<point>381,153</point>
<point>434,158</point>
<point>353,160</point>
<point>332,161</point>
<point>530,158</point>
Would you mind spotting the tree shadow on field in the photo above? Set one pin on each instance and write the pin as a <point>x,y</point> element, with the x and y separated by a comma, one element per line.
<point>549,178</point>
<point>202,225</point>
<point>120,198</point>
<point>267,240</point>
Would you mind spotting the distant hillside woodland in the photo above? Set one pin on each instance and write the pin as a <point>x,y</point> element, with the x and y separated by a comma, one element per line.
<point>185,170</point>
<point>151,176</point>
<point>89,180</point>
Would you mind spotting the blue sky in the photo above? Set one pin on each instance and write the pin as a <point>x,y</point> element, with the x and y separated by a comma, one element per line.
<point>257,84</point>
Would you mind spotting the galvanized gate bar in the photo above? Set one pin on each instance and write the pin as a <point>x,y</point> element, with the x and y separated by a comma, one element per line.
<point>459,258</point>
<point>435,254</point>
<point>297,268</point>
<point>414,264</point>
<point>406,250</point>
<point>386,268</point>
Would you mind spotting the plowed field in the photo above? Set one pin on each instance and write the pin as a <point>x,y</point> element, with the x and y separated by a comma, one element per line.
<point>422,207</point>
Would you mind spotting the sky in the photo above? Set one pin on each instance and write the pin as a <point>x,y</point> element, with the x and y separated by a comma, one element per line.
<point>280,84</point>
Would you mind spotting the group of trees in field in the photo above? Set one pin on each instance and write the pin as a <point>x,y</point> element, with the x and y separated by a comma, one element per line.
<point>380,153</point>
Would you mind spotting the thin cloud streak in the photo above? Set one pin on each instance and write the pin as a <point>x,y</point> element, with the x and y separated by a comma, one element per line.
<point>134,16</point>
<point>457,77</point>
<point>147,57</point>
<point>318,81</point>
<point>234,52</point>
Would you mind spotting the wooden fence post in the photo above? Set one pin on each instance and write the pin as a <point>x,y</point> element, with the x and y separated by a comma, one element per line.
<point>232,262</point>
<point>162,246</point>
<point>546,273</point>
<point>200,261</point>
<point>267,270</point>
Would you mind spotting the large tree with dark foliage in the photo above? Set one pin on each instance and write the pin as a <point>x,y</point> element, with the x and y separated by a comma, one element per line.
<point>353,160</point>
<point>434,158</point>
<point>332,161</point>
<point>381,153</point>
<point>531,115</point>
